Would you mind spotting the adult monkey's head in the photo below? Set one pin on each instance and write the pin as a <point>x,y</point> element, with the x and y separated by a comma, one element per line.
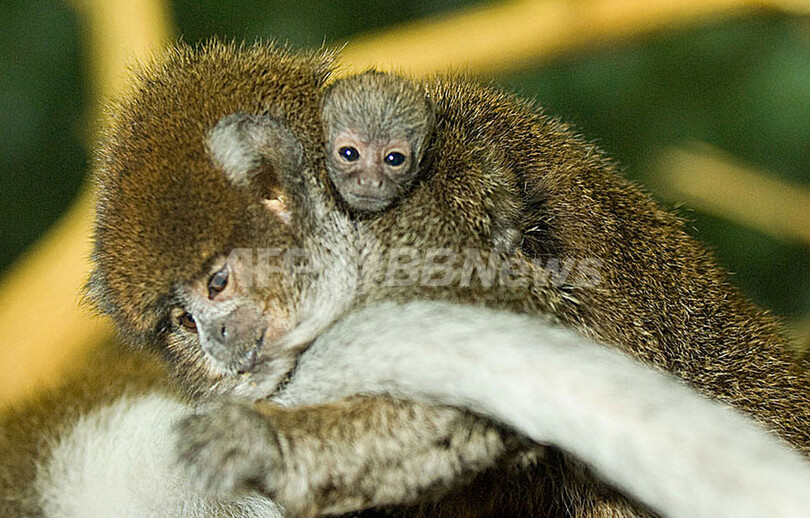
<point>178,191</point>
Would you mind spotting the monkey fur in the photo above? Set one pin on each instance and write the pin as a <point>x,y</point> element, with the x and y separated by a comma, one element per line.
<point>127,242</point>
<point>577,207</point>
<point>546,382</point>
<point>720,328</point>
<point>556,387</point>
<point>492,154</point>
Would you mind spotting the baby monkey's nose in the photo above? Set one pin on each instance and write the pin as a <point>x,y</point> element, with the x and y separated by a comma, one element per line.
<point>369,182</point>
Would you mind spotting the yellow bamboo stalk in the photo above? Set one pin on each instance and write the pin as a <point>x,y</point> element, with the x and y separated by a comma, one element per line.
<point>118,33</point>
<point>510,35</point>
<point>711,181</point>
<point>42,323</point>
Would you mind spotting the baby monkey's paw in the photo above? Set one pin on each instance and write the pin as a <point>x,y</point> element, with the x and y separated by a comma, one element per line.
<point>227,448</point>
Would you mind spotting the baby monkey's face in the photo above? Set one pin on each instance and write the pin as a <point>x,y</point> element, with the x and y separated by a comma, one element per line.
<point>376,127</point>
<point>370,173</point>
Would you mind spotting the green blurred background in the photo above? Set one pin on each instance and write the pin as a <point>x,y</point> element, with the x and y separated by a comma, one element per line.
<point>742,85</point>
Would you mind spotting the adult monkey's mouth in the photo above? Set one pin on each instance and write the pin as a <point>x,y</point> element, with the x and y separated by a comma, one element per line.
<point>284,381</point>
<point>279,381</point>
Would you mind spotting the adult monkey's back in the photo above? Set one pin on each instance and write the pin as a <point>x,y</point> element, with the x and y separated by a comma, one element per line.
<point>660,295</point>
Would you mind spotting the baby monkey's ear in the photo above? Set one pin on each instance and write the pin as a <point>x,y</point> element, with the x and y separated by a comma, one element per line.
<point>260,153</point>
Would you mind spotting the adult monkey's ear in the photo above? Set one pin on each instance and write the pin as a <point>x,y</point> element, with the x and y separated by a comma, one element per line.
<point>259,153</point>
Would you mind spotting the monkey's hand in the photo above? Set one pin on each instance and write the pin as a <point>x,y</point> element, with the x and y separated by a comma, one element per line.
<point>227,448</point>
<point>340,457</point>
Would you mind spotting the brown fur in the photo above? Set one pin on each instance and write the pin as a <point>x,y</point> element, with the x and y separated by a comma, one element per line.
<point>165,213</point>
<point>662,297</point>
<point>159,233</point>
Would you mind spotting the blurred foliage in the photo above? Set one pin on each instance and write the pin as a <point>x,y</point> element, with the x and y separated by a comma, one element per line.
<point>43,105</point>
<point>742,85</point>
<point>301,24</point>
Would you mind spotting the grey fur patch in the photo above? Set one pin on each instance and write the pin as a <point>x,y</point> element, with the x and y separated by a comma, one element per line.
<point>119,460</point>
<point>240,143</point>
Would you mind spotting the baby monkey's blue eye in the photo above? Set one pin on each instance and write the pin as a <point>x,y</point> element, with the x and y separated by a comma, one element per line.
<point>349,153</point>
<point>394,159</point>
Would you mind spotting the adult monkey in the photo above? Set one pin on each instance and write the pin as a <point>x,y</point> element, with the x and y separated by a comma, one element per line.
<point>661,297</point>
<point>136,321</point>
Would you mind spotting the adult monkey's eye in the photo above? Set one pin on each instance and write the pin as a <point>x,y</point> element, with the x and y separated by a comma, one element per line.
<point>395,159</point>
<point>218,282</point>
<point>187,322</point>
<point>349,153</point>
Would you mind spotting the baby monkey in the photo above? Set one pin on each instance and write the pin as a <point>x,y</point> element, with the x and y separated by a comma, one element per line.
<point>377,127</point>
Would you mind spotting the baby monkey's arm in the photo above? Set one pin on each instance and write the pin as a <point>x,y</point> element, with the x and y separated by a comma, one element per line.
<point>344,456</point>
